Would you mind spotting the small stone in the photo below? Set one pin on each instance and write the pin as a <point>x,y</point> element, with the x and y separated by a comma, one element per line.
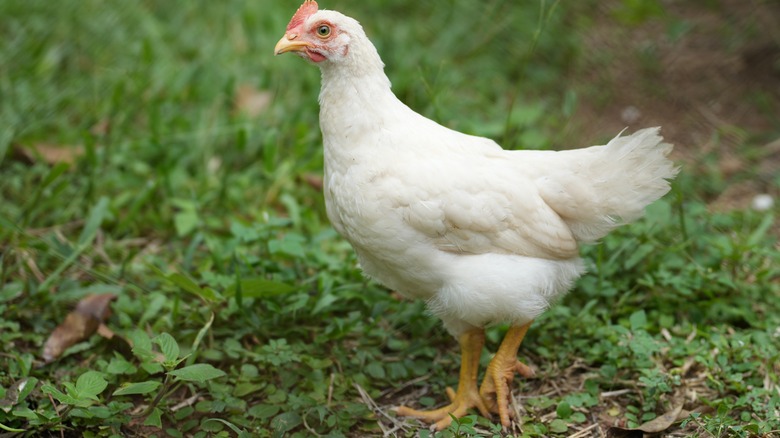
<point>763,202</point>
<point>630,114</point>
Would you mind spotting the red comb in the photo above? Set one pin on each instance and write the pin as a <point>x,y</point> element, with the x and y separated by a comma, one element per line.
<point>307,8</point>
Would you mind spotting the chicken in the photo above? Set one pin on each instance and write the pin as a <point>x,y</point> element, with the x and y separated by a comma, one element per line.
<point>483,235</point>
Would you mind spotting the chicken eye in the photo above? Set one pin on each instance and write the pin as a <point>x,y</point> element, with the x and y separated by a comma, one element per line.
<point>323,31</point>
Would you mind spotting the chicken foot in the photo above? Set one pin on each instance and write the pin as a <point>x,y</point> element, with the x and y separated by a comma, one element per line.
<point>497,383</point>
<point>467,396</point>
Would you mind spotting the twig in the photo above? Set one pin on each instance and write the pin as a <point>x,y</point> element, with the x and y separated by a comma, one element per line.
<point>556,388</point>
<point>516,406</point>
<point>595,419</point>
<point>615,393</point>
<point>330,388</point>
<point>186,402</point>
<point>37,232</point>
<point>369,402</point>
<point>394,391</point>
<point>30,261</point>
<point>166,384</point>
<point>372,406</point>
<point>306,425</point>
<point>584,432</point>
<point>99,248</point>
<point>56,411</point>
<point>691,336</point>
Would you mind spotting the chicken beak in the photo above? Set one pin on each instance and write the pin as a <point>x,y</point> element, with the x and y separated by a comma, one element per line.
<point>287,45</point>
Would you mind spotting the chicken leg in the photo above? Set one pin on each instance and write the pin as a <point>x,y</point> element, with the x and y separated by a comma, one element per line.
<point>496,385</point>
<point>467,396</point>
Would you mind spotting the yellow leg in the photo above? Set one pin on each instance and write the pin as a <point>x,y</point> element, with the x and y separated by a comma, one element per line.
<point>467,396</point>
<point>495,389</point>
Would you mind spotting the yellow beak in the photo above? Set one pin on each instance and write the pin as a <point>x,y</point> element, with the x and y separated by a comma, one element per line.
<point>287,45</point>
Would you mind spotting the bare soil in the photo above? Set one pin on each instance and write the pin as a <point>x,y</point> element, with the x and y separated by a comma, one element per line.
<point>707,72</point>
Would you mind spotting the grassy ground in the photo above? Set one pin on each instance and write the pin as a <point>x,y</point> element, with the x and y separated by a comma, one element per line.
<point>158,152</point>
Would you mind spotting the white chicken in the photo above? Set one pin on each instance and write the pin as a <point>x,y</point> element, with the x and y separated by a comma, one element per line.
<point>484,235</point>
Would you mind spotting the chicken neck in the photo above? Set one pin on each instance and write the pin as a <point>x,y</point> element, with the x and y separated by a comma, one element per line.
<point>356,101</point>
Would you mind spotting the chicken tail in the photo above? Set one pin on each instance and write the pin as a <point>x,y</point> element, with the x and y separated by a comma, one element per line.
<point>615,183</point>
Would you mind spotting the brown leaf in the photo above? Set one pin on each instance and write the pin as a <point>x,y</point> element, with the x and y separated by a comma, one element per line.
<point>656,425</point>
<point>313,180</point>
<point>102,127</point>
<point>51,153</point>
<point>12,395</point>
<point>251,101</point>
<point>80,324</point>
<point>105,332</point>
<point>96,305</point>
<point>118,343</point>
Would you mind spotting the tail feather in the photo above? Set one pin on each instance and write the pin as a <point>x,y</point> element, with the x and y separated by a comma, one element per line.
<point>614,184</point>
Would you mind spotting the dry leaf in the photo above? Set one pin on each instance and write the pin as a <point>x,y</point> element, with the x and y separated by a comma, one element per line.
<point>656,425</point>
<point>12,394</point>
<point>102,127</point>
<point>96,305</point>
<point>80,324</point>
<point>119,344</point>
<point>313,180</point>
<point>105,332</point>
<point>51,153</point>
<point>251,101</point>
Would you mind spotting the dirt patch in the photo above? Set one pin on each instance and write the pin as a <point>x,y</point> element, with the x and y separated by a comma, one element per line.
<point>609,412</point>
<point>707,72</point>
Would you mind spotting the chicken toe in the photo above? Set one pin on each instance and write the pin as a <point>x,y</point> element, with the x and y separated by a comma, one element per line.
<point>497,383</point>
<point>463,401</point>
<point>467,396</point>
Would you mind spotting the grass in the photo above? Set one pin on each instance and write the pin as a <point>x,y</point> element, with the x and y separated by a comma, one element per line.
<point>128,168</point>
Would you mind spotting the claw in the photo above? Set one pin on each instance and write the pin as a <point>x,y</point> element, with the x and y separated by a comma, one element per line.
<point>462,402</point>
<point>524,370</point>
<point>467,396</point>
<point>450,394</point>
<point>494,393</point>
<point>497,383</point>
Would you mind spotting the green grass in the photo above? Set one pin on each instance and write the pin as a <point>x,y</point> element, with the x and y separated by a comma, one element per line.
<point>246,311</point>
